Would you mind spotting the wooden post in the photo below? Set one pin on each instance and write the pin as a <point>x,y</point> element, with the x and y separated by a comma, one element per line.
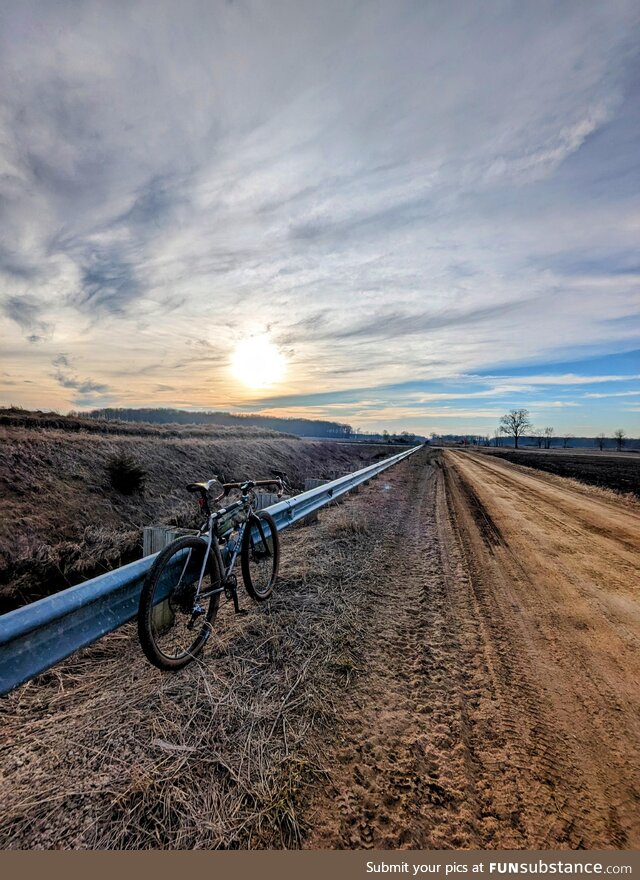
<point>156,538</point>
<point>265,499</point>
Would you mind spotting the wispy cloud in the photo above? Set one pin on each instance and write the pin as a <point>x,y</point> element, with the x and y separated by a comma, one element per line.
<point>566,379</point>
<point>613,394</point>
<point>411,191</point>
<point>27,312</point>
<point>66,377</point>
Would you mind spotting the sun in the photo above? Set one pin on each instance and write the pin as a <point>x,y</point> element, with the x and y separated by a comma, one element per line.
<point>257,363</point>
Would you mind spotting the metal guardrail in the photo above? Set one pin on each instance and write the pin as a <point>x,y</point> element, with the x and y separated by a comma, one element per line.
<point>39,635</point>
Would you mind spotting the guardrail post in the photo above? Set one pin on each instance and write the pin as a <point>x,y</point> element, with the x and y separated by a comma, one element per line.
<point>312,483</point>
<point>265,499</point>
<point>156,538</point>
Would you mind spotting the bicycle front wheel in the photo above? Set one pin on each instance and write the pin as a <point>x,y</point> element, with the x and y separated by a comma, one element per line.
<point>172,627</point>
<point>260,555</point>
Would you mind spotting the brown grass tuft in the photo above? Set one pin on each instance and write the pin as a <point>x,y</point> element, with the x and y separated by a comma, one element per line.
<point>348,522</point>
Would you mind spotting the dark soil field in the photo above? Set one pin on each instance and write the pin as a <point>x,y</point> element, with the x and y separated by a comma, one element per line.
<point>608,470</point>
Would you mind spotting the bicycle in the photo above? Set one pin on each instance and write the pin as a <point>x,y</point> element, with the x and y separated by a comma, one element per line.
<point>181,593</point>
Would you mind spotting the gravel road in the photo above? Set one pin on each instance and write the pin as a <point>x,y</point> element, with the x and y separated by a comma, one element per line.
<point>499,703</point>
<point>450,660</point>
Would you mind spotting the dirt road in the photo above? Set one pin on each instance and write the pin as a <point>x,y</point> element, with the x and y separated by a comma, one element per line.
<point>499,704</point>
<point>450,660</point>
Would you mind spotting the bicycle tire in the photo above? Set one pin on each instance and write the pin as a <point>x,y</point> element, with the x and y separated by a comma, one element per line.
<point>260,569</point>
<point>174,609</point>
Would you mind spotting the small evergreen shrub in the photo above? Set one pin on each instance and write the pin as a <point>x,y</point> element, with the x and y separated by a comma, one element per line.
<point>126,474</point>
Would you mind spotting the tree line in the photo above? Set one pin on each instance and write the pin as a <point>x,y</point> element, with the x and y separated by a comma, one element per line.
<point>516,427</point>
<point>298,426</point>
<point>517,424</point>
<point>168,416</point>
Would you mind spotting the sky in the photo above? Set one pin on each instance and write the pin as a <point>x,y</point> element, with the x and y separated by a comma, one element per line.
<point>429,211</point>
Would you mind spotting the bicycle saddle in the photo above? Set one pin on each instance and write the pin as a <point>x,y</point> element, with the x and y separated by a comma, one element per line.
<point>201,487</point>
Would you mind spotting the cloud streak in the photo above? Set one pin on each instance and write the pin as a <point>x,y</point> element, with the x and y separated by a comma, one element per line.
<point>410,192</point>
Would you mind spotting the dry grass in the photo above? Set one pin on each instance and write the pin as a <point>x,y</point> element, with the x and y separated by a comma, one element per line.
<point>62,521</point>
<point>349,522</point>
<point>13,418</point>
<point>106,752</point>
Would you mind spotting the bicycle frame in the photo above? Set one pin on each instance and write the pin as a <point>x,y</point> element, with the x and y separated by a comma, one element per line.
<point>175,597</point>
<point>208,528</point>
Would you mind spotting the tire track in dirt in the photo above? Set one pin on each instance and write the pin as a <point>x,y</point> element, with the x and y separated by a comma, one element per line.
<point>432,771</point>
<point>561,583</point>
<point>403,774</point>
<point>472,725</point>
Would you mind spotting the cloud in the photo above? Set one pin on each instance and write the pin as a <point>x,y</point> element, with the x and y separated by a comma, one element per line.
<point>406,192</point>
<point>553,404</point>
<point>395,325</point>
<point>108,282</point>
<point>84,386</point>
<point>16,266</point>
<point>27,312</point>
<point>564,379</point>
<point>68,379</point>
<point>613,394</point>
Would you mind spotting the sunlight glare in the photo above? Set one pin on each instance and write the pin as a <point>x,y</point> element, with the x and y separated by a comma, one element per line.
<point>257,362</point>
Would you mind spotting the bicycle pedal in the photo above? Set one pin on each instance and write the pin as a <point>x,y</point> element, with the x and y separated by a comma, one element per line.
<point>242,612</point>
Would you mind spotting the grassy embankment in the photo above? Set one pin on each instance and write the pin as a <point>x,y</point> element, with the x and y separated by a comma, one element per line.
<point>62,519</point>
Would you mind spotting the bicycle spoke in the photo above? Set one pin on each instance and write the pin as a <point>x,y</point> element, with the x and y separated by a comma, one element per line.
<point>171,633</point>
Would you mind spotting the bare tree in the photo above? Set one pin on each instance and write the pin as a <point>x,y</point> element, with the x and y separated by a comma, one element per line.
<point>498,437</point>
<point>600,441</point>
<point>515,423</point>
<point>548,434</point>
<point>619,436</point>
<point>565,440</point>
<point>536,433</point>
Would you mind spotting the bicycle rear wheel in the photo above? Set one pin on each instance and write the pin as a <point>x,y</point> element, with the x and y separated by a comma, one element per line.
<point>260,555</point>
<point>171,631</point>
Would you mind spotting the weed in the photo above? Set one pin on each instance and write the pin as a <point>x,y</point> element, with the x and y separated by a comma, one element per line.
<point>349,523</point>
<point>125,474</point>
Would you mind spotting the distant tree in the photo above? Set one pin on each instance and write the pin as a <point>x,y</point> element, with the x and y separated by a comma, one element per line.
<point>515,423</point>
<point>497,436</point>
<point>565,440</point>
<point>538,436</point>
<point>385,436</point>
<point>548,435</point>
<point>600,441</point>
<point>619,437</point>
